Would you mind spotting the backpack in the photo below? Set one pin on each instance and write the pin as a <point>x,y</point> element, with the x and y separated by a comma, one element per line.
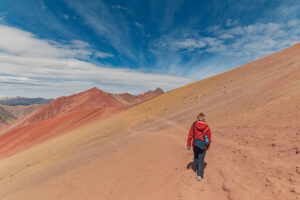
<point>199,143</point>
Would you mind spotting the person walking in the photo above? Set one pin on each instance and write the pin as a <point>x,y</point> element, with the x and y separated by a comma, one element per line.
<point>200,134</point>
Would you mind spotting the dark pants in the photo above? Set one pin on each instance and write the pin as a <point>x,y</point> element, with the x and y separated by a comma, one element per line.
<point>199,155</point>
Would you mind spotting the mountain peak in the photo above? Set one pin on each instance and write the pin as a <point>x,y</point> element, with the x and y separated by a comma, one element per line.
<point>93,90</point>
<point>159,90</point>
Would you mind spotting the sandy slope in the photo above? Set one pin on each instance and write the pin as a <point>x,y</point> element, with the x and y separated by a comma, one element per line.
<point>141,153</point>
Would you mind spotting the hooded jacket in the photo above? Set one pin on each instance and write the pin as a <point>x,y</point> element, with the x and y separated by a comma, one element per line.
<point>199,127</point>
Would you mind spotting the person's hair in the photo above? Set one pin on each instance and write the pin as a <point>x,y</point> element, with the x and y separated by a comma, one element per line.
<point>201,114</point>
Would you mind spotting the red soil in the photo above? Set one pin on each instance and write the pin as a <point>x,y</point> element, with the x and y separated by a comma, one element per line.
<point>93,98</point>
<point>62,115</point>
<point>2,124</point>
<point>29,135</point>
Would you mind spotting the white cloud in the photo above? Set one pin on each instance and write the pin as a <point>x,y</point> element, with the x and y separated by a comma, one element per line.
<point>112,28</point>
<point>226,36</point>
<point>2,17</point>
<point>232,22</point>
<point>139,25</point>
<point>18,42</point>
<point>246,42</point>
<point>190,44</point>
<point>119,7</point>
<point>188,52</point>
<point>103,55</point>
<point>66,16</point>
<point>28,63</point>
<point>260,39</point>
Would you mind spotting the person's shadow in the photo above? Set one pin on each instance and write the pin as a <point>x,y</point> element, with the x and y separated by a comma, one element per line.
<point>190,165</point>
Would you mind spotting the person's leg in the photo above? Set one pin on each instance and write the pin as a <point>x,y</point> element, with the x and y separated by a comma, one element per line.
<point>196,153</point>
<point>201,156</point>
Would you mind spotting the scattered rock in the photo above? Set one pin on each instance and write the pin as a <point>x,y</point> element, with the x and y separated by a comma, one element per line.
<point>298,169</point>
<point>225,188</point>
<point>292,190</point>
<point>291,180</point>
<point>268,182</point>
<point>273,145</point>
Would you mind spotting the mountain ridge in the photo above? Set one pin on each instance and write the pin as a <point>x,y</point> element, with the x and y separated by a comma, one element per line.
<point>66,113</point>
<point>24,101</point>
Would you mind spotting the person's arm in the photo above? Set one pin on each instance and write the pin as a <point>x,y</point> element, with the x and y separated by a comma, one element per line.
<point>208,133</point>
<point>190,137</point>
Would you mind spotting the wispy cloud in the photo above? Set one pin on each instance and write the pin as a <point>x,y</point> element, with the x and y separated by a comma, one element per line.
<point>28,60</point>
<point>256,40</point>
<point>232,22</point>
<point>119,7</point>
<point>2,17</point>
<point>17,42</point>
<point>250,41</point>
<point>234,44</point>
<point>139,25</point>
<point>103,55</point>
<point>112,28</point>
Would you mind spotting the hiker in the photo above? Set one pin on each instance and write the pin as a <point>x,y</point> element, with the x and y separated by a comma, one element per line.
<point>201,136</point>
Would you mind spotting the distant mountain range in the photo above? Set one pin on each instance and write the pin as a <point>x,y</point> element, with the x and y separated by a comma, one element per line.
<point>6,117</point>
<point>15,108</point>
<point>102,103</point>
<point>10,114</point>
<point>68,112</point>
<point>23,101</point>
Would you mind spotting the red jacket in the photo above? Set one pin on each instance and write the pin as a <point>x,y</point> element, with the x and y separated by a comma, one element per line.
<point>199,125</point>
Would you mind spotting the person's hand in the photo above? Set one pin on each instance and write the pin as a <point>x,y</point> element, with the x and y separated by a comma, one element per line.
<point>188,147</point>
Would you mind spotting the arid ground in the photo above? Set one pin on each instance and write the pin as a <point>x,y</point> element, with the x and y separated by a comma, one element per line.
<point>140,153</point>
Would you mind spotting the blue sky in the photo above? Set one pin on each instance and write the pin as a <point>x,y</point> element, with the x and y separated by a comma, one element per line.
<point>50,48</point>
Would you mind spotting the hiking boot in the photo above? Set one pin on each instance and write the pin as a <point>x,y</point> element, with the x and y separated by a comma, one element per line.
<point>195,170</point>
<point>199,178</point>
